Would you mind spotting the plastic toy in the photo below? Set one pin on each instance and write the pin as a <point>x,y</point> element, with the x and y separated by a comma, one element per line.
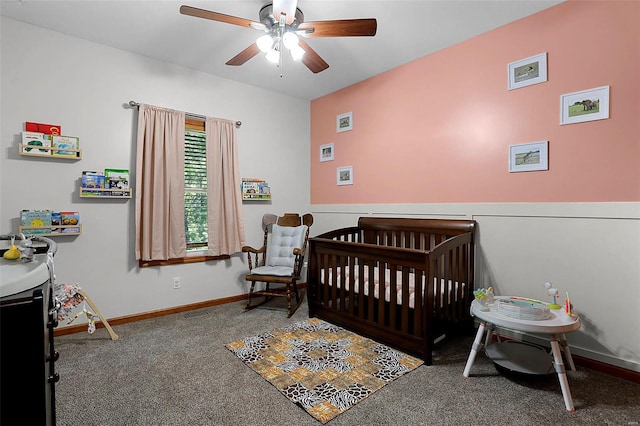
<point>568,307</point>
<point>484,296</point>
<point>13,253</point>
<point>553,293</point>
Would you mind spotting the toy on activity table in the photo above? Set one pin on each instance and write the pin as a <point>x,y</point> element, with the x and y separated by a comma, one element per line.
<point>484,296</point>
<point>553,292</point>
<point>568,307</point>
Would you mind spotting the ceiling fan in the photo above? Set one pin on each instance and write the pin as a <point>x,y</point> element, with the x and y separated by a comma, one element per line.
<point>282,22</point>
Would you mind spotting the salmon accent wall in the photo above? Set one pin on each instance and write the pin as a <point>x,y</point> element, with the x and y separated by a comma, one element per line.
<point>438,130</point>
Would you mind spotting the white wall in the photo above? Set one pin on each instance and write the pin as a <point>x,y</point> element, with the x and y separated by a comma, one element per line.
<point>52,78</point>
<point>591,250</point>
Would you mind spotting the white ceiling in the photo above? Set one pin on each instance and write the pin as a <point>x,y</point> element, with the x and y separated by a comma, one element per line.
<point>407,30</point>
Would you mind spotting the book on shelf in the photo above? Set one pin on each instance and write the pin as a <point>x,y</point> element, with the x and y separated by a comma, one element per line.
<point>249,187</point>
<point>37,221</point>
<point>32,141</point>
<point>70,219</point>
<point>68,146</point>
<point>264,189</point>
<point>92,180</point>
<point>47,129</point>
<point>116,179</point>
<point>56,219</point>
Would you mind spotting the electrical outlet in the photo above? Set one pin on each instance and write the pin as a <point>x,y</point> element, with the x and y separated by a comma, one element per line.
<point>176,282</point>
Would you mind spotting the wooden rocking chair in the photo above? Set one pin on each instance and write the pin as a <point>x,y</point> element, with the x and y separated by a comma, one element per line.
<point>280,259</point>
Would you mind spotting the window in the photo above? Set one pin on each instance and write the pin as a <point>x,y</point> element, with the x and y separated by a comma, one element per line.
<point>160,238</point>
<point>195,185</point>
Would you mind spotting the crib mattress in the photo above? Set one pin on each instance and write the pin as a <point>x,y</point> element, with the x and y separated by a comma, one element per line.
<point>446,287</point>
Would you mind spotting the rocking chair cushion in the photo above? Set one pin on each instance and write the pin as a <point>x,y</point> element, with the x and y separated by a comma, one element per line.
<point>283,240</point>
<point>279,271</point>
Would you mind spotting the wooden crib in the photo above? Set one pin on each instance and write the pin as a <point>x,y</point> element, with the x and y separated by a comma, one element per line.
<point>422,267</point>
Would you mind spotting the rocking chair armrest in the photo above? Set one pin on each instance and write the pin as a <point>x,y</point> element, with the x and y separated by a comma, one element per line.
<point>299,252</point>
<point>249,249</point>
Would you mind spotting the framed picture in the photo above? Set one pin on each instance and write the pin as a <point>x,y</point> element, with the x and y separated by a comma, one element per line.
<point>529,157</point>
<point>528,71</point>
<point>587,105</point>
<point>344,122</point>
<point>345,175</point>
<point>326,152</point>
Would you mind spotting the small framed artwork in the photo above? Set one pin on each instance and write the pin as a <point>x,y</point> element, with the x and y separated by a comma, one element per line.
<point>586,105</point>
<point>529,157</point>
<point>326,152</point>
<point>345,175</point>
<point>528,71</point>
<point>344,122</point>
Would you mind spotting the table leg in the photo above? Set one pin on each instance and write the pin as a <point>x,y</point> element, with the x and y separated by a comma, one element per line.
<point>490,330</point>
<point>477,345</point>
<point>567,352</point>
<point>562,374</point>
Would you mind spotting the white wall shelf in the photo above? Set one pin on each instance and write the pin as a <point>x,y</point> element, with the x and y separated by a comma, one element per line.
<point>105,193</point>
<point>76,154</point>
<point>59,230</point>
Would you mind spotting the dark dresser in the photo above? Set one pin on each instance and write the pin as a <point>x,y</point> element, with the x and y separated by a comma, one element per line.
<point>27,358</point>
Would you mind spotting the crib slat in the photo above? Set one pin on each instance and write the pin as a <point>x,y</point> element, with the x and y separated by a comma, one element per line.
<point>361,307</point>
<point>352,287</point>
<point>393,295</point>
<point>344,292</point>
<point>325,289</point>
<point>405,301</point>
<point>371,290</point>
<point>381,293</point>
<point>419,282</point>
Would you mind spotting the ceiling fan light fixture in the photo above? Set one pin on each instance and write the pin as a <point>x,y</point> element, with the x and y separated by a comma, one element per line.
<point>264,43</point>
<point>273,56</point>
<point>297,52</point>
<point>283,22</point>
<point>290,40</point>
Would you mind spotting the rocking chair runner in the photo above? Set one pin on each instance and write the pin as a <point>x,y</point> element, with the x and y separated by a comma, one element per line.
<point>280,259</point>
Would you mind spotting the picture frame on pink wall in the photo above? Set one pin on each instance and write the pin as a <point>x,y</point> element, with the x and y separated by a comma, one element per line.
<point>527,71</point>
<point>529,157</point>
<point>345,175</point>
<point>585,105</point>
<point>326,152</point>
<point>344,122</point>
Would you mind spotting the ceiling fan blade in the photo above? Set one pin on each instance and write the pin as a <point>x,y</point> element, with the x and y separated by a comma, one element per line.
<point>244,56</point>
<point>285,6</point>
<point>220,17</point>
<point>311,59</point>
<point>340,28</point>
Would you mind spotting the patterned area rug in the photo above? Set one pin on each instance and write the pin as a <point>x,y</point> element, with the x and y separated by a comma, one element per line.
<point>321,367</point>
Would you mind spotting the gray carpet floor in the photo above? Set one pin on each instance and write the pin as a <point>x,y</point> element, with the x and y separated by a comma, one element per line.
<point>175,370</point>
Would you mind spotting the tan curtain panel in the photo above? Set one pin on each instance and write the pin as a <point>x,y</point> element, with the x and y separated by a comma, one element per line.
<point>160,233</point>
<point>225,221</point>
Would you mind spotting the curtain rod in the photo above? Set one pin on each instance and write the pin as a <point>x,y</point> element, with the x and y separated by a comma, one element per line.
<point>134,104</point>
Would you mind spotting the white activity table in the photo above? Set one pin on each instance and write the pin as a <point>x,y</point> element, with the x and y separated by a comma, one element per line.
<point>554,328</point>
